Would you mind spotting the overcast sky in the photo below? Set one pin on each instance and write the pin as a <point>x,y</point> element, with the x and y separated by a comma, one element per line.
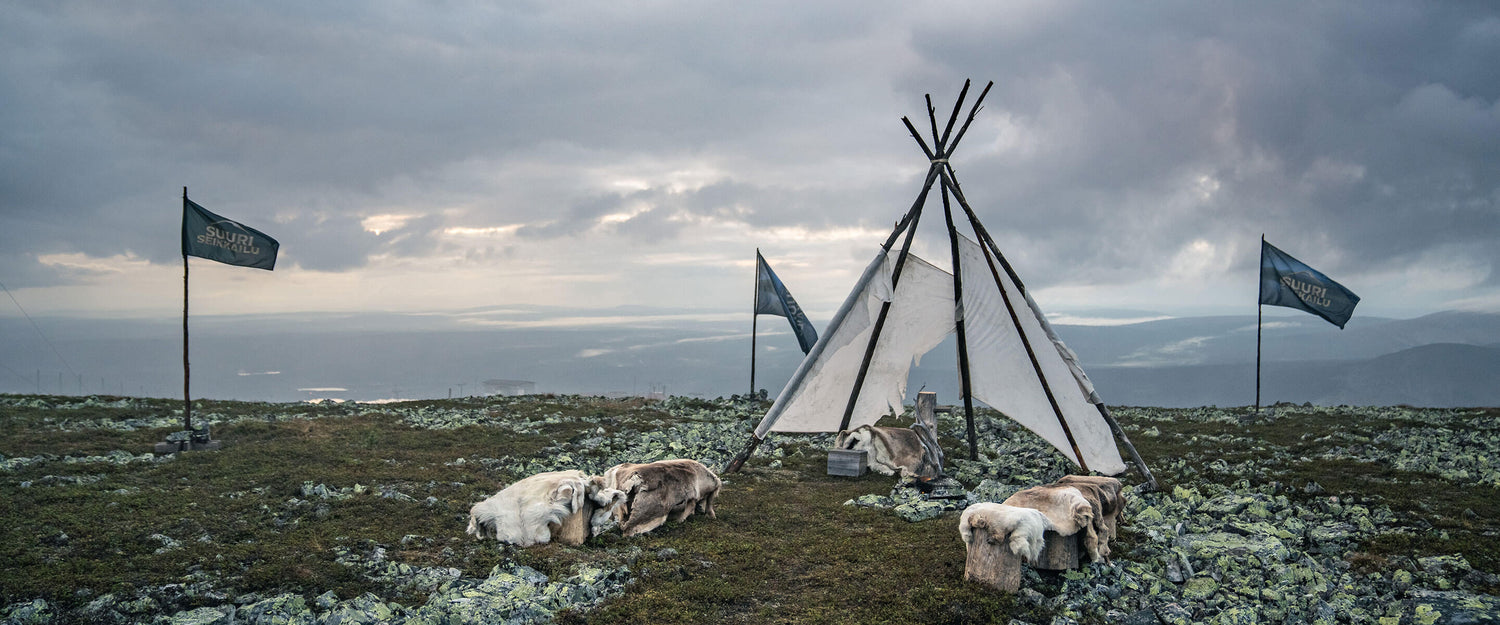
<point>451,155</point>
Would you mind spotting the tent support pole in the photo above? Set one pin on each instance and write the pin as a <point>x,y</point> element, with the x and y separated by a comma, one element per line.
<point>885,307</point>
<point>1108,418</point>
<point>1016,321</point>
<point>941,141</point>
<point>1135,456</point>
<point>740,458</point>
<point>933,172</point>
<point>906,220</point>
<point>963,340</point>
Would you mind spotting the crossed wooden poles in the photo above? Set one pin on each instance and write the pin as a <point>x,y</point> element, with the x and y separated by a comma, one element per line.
<point>940,171</point>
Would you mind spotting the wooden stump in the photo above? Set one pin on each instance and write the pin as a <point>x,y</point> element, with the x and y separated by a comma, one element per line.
<point>575,528</point>
<point>926,411</point>
<point>1059,554</point>
<point>993,564</point>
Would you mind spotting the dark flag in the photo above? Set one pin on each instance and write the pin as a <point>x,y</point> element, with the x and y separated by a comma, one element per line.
<point>772,298</point>
<point>210,236</point>
<point>1286,281</point>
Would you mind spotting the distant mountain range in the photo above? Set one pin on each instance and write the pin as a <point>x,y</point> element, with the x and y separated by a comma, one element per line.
<point>1443,359</point>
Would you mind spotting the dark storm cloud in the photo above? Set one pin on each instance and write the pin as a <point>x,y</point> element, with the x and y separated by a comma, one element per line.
<point>107,105</point>
<point>1372,128</point>
<point>1116,136</point>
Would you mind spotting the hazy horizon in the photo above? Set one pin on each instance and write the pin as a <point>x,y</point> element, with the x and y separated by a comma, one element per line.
<point>636,352</point>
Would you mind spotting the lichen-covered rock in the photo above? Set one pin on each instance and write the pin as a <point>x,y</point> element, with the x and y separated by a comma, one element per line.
<point>285,609</point>
<point>1236,616</point>
<point>34,612</point>
<point>919,511</point>
<point>1331,537</point>
<point>1214,545</point>
<point>1174,614</point>
<point>1199,588</point>
<point>1224,505</point>
<point>200,616</point>
<point>992,491</point>
<point>1451,607</point>
<point>518,594</point>
<point>871,501</point>
<point>366,609</point>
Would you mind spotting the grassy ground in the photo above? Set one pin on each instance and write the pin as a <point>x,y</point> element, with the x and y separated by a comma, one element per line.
<point>1457,518</point>
<point>783,549</point>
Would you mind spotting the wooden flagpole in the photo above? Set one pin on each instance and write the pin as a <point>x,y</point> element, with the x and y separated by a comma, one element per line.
<point>187,398</point>
<point>1258,310</point>
<point>754,315</point>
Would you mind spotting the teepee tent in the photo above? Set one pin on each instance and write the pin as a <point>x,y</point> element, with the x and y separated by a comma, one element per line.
<point>902,306</point>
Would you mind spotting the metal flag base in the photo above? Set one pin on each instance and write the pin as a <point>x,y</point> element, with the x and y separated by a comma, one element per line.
<point>188,440</point>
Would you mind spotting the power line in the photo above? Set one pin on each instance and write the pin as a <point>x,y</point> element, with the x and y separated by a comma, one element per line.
<point>38,329</point>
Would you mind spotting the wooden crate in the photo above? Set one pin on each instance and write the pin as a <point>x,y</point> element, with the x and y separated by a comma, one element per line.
<point>848,462</point>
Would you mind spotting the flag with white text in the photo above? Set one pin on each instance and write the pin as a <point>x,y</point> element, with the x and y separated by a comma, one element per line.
<point>1286,281</point>
<point>772,298</point>
<point>210,236</point>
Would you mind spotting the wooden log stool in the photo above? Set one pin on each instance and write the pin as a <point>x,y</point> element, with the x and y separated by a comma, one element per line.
<point>994,565</point>
<point>1059,554</point>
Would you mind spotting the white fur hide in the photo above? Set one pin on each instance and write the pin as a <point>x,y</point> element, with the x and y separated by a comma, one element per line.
<point>520,513</point>
<point>1068,511</point>
<point>1022,529</point>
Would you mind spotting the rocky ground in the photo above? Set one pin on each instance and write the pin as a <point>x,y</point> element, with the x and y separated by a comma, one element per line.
<point>352,514</point>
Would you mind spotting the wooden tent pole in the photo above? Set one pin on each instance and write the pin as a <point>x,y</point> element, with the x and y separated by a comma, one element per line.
<point>1135,456</point>
<point>972,112</point>
<point>965,388</point>
<point>1036,366</point>
<point>952,118</point>
<point>937,160</point>
<point>910,220</point>
<point>959,321</point>
<point>738,462</point>
<point>1103,410</point>
<point>885,307</point>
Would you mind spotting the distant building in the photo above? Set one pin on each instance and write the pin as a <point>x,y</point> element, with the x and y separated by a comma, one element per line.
<point>509,387</point>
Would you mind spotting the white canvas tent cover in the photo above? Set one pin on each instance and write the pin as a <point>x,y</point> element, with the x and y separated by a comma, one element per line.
<point>920,317</point>
<point>922,313</point>
<point>1001,374</point>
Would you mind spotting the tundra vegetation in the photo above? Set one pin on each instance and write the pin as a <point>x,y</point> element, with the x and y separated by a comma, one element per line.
<point>350,513</point>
